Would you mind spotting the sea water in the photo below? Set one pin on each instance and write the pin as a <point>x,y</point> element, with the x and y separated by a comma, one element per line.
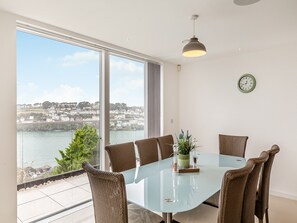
<point>39,148</point>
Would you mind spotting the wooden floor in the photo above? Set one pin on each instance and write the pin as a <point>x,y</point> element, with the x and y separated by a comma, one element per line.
<point>281,211</point>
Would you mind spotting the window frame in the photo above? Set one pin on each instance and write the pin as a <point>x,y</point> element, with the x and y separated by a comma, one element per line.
<point>105,50</point>
<point>104,75</point>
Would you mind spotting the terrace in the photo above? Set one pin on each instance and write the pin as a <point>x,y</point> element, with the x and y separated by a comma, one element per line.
<point>67,195</point>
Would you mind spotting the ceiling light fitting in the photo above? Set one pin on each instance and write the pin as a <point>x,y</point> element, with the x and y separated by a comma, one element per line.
<point>245,2</point>
<point>194,48</point>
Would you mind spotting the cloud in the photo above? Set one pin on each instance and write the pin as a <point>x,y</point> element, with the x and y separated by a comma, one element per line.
<point>130,92</point>
<point>27,87</point>
<point>25,91</point>
<point>31,86</point>
<point>64,93</point>
<point>126,66</point>
<point>79,58</point>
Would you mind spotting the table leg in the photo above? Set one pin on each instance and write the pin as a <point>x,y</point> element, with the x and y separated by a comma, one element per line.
<point>168,218</point>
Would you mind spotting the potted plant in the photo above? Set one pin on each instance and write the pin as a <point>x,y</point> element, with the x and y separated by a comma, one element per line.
<point>185,144</point>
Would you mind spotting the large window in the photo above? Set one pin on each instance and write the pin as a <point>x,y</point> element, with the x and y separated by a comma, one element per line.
<point>57,106</point>
<point>126,100</point>
<point>59,113</point>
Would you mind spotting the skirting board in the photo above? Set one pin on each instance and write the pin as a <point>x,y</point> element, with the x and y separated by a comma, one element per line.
<point>284,195</point>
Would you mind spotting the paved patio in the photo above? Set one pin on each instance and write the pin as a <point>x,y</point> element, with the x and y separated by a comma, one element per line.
<point>38,202</point>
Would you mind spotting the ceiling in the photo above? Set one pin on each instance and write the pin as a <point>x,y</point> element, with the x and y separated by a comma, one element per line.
<point>157,27</point>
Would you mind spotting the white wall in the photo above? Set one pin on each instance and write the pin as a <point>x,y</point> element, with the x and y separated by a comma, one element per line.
<point>170,84</point>
<point>8,118</point>
<point>210,103</point>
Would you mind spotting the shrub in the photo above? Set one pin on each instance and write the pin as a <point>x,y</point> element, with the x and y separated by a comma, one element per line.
<point>82,148</point>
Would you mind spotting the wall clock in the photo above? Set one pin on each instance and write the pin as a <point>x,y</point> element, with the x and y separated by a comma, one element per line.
<point>246,83</point>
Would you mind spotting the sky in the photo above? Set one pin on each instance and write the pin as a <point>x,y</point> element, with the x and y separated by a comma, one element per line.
<point>50,70</point>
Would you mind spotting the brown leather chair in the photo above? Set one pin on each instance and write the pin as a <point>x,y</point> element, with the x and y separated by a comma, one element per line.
<point>121,156</point>
<point>262,201</point>
<point>109,199</point>
<point>232,145</point>
<point>147,150</point>
<point>232,193</point>
<point>250,193</point>
<point>231,200</point>
<point>166,146</point>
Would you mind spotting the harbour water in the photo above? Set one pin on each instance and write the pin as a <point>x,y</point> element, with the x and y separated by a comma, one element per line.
<point>39,148</point>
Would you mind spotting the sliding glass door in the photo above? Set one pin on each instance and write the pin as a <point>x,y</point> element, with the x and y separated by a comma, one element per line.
<point>60,88</point>
<point>57,106</point>
<point>127,104</point>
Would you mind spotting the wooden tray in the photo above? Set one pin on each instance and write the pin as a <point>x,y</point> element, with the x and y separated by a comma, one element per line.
<point>186,170</point>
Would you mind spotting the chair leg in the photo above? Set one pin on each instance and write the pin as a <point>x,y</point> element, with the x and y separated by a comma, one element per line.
<point>266,216</point>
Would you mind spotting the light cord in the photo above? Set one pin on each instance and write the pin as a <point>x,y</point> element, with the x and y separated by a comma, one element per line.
<point>194,20</point>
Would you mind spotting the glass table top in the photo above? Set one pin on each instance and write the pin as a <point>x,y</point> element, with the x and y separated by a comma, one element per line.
<point>158,188</point>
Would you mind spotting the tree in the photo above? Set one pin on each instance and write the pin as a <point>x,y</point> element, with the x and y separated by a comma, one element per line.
<point>82,148</point>
<point>119,106</point>
<point>46,105</point>
<point>83,104</point>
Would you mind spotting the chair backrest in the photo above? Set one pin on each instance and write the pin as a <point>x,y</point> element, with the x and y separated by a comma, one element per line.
<point>147,150</point>
<point>250,193</point>
<point>263,190</point>
<point>121,156</point>
<point>166,146</point>
<point>232,191</point>
<point>109,195</point>
<point>232,145</point>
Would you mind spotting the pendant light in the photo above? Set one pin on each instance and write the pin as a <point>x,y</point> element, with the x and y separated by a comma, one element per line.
<point>194,48</point>
<point>245,2</point>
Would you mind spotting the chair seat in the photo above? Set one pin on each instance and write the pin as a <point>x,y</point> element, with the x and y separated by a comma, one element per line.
<point>137,214</point>
<point>213,200</point>
<point>201,214</point>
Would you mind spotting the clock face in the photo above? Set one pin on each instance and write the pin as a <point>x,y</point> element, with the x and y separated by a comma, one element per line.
<point>246,83</point>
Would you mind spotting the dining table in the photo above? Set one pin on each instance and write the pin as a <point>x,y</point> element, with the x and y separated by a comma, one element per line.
<point>160,188</point>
